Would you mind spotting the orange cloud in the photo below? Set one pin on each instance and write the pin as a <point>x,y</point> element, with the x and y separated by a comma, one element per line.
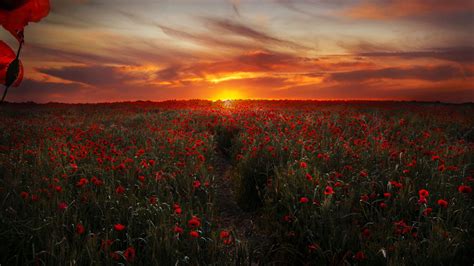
<point>387,9</point>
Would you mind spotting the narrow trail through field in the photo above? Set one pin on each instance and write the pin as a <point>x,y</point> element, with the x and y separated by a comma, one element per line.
<point>231,216</point>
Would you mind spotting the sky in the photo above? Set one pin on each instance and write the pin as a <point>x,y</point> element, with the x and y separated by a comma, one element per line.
<point>122,50</point>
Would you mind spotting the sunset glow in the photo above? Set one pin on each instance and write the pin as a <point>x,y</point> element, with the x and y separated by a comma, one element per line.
<point>104,50</point>
<point>228,94</point>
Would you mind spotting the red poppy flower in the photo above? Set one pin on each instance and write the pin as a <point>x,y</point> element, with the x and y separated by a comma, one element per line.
<point>194,234</point>
<point>464,189</point>
<point>303,165</point>
<point>24,195</point>
<point>194,222</point>
<point>304,200</point>
<point>177,209</point>
<point>360,255</point>
<point>443,203</point>
<point>62,206</point>
<point>97,181</point>
<point>119,227</point>
<point>427,211</point>
<point>224,234</point>
<point>423,193</point>
<point>196,183</point>
<point>129,254</point>
<point>201,158</point>
<point>226,237</point>
<point>328,190</point>
<point>7,55</point>
<point>396,184</point>
<point>309,177</point>
<point>82,182</point>
<point>178,230</point>
<point>120,190</point>
<point>153,200</point>
<point>80,229</point>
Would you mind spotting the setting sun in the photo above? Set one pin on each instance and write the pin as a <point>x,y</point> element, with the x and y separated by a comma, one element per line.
<point>228,94</point>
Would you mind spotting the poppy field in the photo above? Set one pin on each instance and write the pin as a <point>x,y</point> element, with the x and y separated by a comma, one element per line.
<point>236,183</point>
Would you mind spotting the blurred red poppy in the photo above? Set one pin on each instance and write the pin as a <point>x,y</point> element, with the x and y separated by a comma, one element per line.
<point>129,254</point>
<point>224,234</point>
<point>464,189</point>
<point>16,14</point>
<point>427,211</point>
<point>80,229</point>
<point>423,193</point>
<point>178,230</point>
<point>62,206</point>
<point>7,55</point>
<point>24,195</point>
<point>120,190</point>
<point>443,203</point>
<point>360,255</point>
<point>119,227</point>
<point>194,222</point>
<point>194,234</point>
<point>328,190</point>
<point>304,200</point>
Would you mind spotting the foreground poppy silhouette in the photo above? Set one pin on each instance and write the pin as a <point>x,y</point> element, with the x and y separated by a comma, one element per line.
<point>16,14</point>
<point>7,56</point>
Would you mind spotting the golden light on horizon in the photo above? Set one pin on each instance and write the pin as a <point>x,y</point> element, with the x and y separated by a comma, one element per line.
<point>228,94</point>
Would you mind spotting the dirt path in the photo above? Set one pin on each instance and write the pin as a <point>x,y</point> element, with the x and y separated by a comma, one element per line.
<point>231,216</point>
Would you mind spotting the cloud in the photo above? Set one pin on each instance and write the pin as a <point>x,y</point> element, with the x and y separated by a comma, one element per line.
<point>390,9</point>
<point>437,73</point>
<point>44,91</point>
<point>227,26</point>
<point>449,91</point>
<point>206,39</point>
<point>96,75</point>
<point>455,54</point>
<point>71,56</point>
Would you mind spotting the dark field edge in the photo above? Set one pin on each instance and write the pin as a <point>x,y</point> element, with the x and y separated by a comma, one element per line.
<point>247,102</point>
